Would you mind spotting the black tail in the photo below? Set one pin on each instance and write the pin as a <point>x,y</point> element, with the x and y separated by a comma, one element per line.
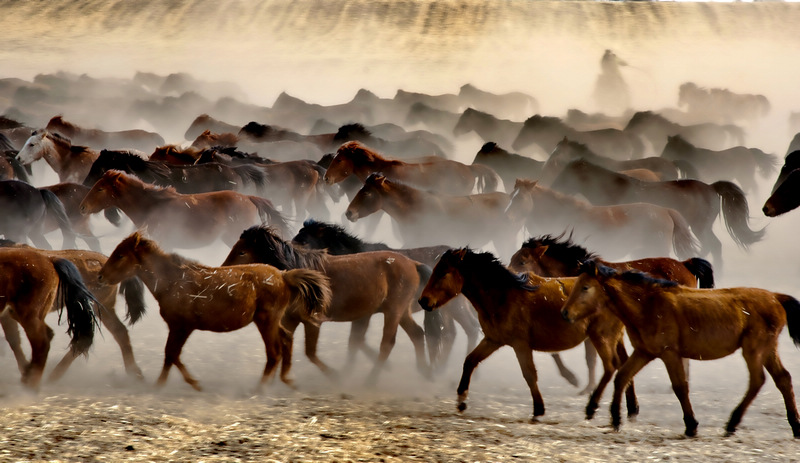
<point>251,175</point>
<point>767,163</point>
<point>702,269</point>
<point>737,214</point>
<point>133,291</point>
<point>792,308</point>
<point>73,293</point>
<point>270,215</point>
<point>56,209</point>
<point>433,322</point>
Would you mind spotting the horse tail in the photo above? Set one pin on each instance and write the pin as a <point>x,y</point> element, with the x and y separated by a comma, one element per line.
<point>270,215</point>
<point>792,308</point>
<point>686,168</point>
<point>683,241</point>
<point>736,213</point>
<point>767,163</point>
<point>310,293</point>
<point>251,175</point>
<point>55,208</point>
<point>701,269</point>
<point>133,291</point>
<point>76,297</point>
<point>486,178</point>
<point>433,322</point>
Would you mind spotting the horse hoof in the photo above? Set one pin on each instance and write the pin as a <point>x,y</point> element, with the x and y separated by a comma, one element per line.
<point>533,419</point>
<point>461,406</point>
<point>692,432</point>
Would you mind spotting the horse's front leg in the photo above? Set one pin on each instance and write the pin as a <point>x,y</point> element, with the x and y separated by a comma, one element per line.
<point>39,335</point>
<point>566,373</point>
<point>525,359</point>
<point>680,385</point>
<point>624,376</point>
<point>484,349</point>
<point>11,330</point>
<point>172,352</point>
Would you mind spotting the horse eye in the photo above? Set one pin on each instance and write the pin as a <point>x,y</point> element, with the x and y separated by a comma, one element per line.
<point>585,288</point>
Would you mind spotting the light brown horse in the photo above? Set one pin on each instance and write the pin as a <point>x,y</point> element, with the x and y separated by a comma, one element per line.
<point>209,139</point>
<point>522,311</point>
<point>88,264</point>
<point>71,163</point>
<point>141,140</point>
<point>28,303</point>
<point>671,322</point>
<point>193,297</point>
<point>178,220</point>
<point>435,174</point>
<point>362,285</point>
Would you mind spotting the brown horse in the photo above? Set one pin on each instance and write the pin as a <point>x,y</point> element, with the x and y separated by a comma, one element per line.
<point>785,197</point>
<point>424,218</point>
<point>88,264</point>
<point>209,139</point>
<point>28,303</point>
<point>205,123</point>
<point>178,220</point>
<point>193,297</point>
<point>361,284</point>
<point>71,163</point>
<point>637,229</point>
<point>671,322</point>
<point>435,174</point>
<point>99,139</point>
<point>522,311</point>
<point>558,257</point>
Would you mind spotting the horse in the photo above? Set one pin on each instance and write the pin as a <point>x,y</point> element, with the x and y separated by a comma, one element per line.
<point>487,126</point>
<point>71,195</point>
<point>721,104</point>
<point>141,140</point>
<point>26,211</point>
<point>210,139</point>
<point>738,163</point>
<point>88,264</point>
<point>522,311</point>
<point>558,256</point>
<point>790,163</point>
<point>337,241</point>
<point>515,105</point>
<point>205,123</point>
<point>438,120</point>
<point>193,297</point>
<point>442,175</point>
<point>32,283</point>
<point>655,128</point>
<point>425,218</point>
<point>361,284</point>
<point>636,229</point>
<point>509,166</point>
<point>786,196</point>
<point>671,322</point>
<point>547,131</point>
<point>603,187</point>
<point>180,220</point>
<point>70,162</point>
<point>447,101</point>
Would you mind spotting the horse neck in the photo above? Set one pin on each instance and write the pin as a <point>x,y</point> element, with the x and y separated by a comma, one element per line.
<point>484,297</point>
<point>555,202</point>
<point>160,271</point>
<point>57,153</point>
<point>140,199</point>
<point>629,302</point>
<point>374,164</point>
<point>404,201</point>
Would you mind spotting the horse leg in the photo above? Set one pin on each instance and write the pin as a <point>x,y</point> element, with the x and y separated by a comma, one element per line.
<point>39,335</point>
<point>466,317</point>
<point>783,380</point>
<point>356,341</point>
<point>625,374</point>
<point>38,240</point>
<point>290,323</point>
<point>417,335</point>
<point>680,385</point>
<point>312,337</point>
<point>710,244</point>
<point>611,361</point>
<point>11,330</point>
<point>388,339</point>
<point>275,343</point>
<point>753,356</point>
<point>525,359</point>
<point>590,354</point>
<point>484,349</point>
<point>448,339</point>
<point>172,352</point>
<point>565,372</point>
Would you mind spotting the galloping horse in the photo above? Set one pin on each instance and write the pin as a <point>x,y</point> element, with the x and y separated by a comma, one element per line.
<point>699,203</point>
<point>71,163</point>
<point>442,175</point>
<point>671,322</point>
<point>178,220</point>
<point>655,128</point>
<point>361,285</point>
<point>522,311</point>
<point>786,196</point>
<point>487,126</point>
<point>637,229</point>
<point>261,294</point>
<point>99,139</point>
<point>515,105</point>
<point>722,104</point>
<point>509,166</point>
<point>206,123</point>
<point>31,284</point>
<point>26,210</point>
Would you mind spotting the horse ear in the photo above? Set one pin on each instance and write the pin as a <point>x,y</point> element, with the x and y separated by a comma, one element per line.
<point>460,253</point>
<point>540,251</point>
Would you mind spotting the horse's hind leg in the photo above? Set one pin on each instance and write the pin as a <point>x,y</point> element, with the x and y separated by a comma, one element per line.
<point>590,354</point>
<point>312,338</point>
<point>11,330</point>
<point>172,352</point>
<point>783,381</point>
<point>484,349</point>
<point>525,359</point>
<point>357,341</point>
<point>417,335</point>
<point>753,356</point>
<point>565,372</point>
<point>39,335</point>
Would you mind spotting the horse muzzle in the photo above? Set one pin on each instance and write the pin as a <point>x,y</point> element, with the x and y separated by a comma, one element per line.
<point>565,316</point>
<point>426,304</point>
<point>351,216</point>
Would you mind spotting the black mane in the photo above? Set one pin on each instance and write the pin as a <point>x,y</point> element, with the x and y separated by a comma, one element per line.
<point>489,269</point>
<point>272,250</point>
<point>629,276</point>
<point>560,248</point>
<point>334,238</point>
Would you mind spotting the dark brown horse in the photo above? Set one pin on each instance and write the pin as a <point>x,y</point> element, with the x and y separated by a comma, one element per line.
<point>26,212</point>
<point>361,284</point>
<point>522,311</point>
<point>509,166</point>
<point>141,140</point>
<point>786,196</point>
<point>71,163</point>
<point>193,297</point>
<point>434,174</point>
<point>71,195</point>
<point>210,139</point>
<point>487,126</point>
<point>178,220</point>
<point>57,283</point>
<point>672,322</point>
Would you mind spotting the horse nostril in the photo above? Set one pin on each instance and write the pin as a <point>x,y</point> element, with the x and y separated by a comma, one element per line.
<point>565,316</point>
<point>425,304</point>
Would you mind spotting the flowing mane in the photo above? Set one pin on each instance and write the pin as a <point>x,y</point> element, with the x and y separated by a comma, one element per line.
<point>360,153</point>
<point>345,132</point>
<point>337,238</point>
<point>156,190</point>
<point>489,268</point>
<point>538,120</point>
<point>629,276</point>
<point>263,239</point>
<point>560,248</point>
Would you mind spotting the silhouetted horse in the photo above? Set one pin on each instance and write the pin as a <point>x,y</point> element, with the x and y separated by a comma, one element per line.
<point>655,128</point>
<point>26,210</point>
<point>99,139</point>
<point>487,126</point>
<point>509,166</point>
<point>514,105</point>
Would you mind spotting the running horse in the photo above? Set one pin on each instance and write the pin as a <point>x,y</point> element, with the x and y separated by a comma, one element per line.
<point>26,211</point>
<point>193,297</point>
<point>57,284</point>
<point>671,322</point>
<point>522,311</point>
<point>180,220</point>
<point>70,162</point>
<point>362,284</point>
<point>141,140</point>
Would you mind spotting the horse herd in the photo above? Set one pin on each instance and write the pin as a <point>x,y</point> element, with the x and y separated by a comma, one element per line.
<point>643,190</point>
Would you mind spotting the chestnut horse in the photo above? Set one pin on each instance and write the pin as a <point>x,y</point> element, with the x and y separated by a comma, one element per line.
<point>361,285</point>
<point>99,139</point>
<point>178,220</point>
<point>71,163</point>
<point>671,322</point>
<point>193,297</point>
<point>434,174</point>
<point>32,283</point>
<point>88,264</point>
<point>522,311</point>
<point>558,257</point>
<point>637,229</point>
